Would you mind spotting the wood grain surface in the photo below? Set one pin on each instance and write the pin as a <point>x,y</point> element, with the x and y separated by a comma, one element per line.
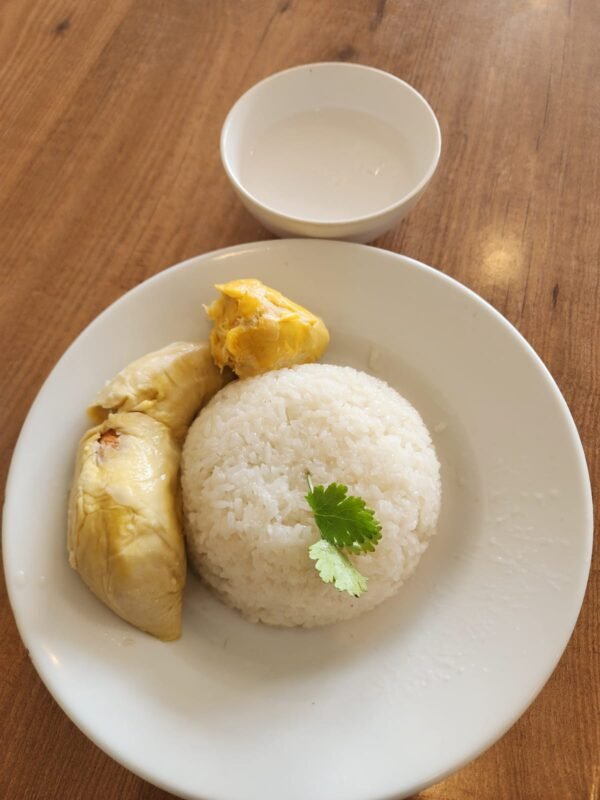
<point>109,172</point>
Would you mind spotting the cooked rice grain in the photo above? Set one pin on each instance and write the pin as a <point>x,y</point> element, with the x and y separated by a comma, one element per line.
<point>248,524</point>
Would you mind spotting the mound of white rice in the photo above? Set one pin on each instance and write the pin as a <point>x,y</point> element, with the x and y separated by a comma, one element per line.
<point>248,525</point>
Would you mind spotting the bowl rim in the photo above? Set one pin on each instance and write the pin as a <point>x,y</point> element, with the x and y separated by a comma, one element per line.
<point>345,221</point>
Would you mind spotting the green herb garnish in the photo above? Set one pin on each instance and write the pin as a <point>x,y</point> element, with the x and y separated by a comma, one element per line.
<point>343,520</point>
<point>334,567</point>
<point>345,523</point>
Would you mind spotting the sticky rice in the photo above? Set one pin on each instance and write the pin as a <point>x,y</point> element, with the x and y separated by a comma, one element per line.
<point>248,525</point>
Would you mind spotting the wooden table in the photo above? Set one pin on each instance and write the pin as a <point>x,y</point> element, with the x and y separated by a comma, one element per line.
<point>109,172</point>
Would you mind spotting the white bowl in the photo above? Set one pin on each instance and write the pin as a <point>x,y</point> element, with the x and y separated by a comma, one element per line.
<point>335,151</point>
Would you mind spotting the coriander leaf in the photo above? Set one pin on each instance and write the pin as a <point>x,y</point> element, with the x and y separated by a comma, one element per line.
<point>334,567</point>
<point>342,519</point>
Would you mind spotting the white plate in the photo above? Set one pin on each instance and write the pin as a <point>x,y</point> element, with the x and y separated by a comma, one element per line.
<point>374,708</point>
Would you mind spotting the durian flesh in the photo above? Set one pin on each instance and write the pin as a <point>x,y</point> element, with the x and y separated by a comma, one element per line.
<point>124,530</point>
<point>169,385</point>
<point>257,329</point>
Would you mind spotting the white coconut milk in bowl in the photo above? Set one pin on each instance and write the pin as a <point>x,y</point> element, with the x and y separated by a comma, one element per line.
<point>330,150</point>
